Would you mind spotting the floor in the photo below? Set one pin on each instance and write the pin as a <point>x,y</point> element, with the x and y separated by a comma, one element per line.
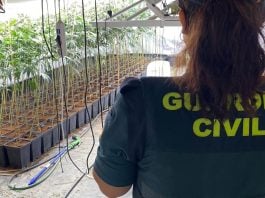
<point>60,182</point>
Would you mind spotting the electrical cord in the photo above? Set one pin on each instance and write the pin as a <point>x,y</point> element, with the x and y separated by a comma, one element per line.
<point>58,39</point>
<point>67,116</point>
<point>53,69</point>
<point>99,62</point>
<point>109,12</point>
<point>94,120</point>
<point>76,183</point>
<point>66,108</point>
<point>43,29</point>
<point>13,187</point>
<point>86,73</point>
<point>46,171</point>
<point>33,185</point>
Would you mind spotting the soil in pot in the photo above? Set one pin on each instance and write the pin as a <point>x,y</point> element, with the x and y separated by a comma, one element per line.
<point>5,131</point>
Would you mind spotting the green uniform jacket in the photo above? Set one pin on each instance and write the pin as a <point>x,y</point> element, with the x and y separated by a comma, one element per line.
<point>156,138</point>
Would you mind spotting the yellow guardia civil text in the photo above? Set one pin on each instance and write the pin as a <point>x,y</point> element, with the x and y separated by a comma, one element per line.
<point>205,127</point>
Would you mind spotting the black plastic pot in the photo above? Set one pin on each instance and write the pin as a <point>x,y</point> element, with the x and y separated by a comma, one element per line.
<point>18,153</point>
<point>95,108</point>
<point>117,90</point>
<point>3,153</point>
<point>72,120</point>
<point>35,148</point>
<point>46,140</point>
<point>3,157</point>
<point>88,113</point>
<point>105,102</point>
<point>64,128</point>
<point>112,96</point>
<point>55,135</point>
<point>80,118</point>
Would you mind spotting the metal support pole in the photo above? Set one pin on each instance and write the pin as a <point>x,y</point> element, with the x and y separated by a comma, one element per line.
<point>125,9</point>
<point>152,17</point>
<point>137,13</point>
<point>155,9</point>
<point>137,23</point>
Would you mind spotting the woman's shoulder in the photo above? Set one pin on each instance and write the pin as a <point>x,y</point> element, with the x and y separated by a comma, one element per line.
<point>150,83</point>
<point>132,84</point>
<point>129,84</point>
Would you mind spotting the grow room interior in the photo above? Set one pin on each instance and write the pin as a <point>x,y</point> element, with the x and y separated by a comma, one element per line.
<point>61,66</point>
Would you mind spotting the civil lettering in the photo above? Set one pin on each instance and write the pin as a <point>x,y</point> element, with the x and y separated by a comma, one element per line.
<point>245,127</point>
<point>255,128</point>
<point>198,125</point>
<point>231,128</point>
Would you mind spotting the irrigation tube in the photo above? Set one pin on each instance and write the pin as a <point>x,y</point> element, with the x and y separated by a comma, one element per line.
<point>46,171</point>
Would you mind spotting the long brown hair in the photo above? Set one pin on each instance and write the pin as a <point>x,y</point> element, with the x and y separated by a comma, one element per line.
<point>226,57</point>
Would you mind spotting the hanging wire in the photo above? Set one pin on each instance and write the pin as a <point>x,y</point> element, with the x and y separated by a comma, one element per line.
<point>106,43</point>
<point>89,168</point>
<point>54,82</point>
<point>99,62</point>
<point>86,72</point>
<point>86,68</point>
<point>53,69</point>
<point>43,30</point>
<point>64,88</point>
<point>75,184</point>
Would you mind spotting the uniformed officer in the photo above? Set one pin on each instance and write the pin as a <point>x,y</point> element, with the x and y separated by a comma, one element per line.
<point>201,135</point>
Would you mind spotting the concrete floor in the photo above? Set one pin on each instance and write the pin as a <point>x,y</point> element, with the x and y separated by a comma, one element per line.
<point>59,183</point>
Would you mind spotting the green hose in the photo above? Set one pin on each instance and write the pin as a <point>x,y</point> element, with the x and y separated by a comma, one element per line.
<point>46,175</point>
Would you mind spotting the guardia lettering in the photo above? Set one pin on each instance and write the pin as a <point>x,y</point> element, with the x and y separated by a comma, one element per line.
<point>174,101</point>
